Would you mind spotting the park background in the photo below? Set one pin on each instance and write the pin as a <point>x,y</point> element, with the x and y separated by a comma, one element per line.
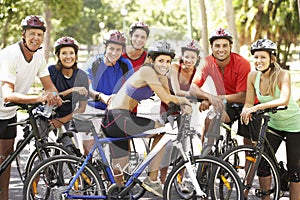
<point>176,20</point>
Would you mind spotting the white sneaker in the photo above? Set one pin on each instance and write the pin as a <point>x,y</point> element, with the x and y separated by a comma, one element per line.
<point>155,187</point>
<point>185,186</point>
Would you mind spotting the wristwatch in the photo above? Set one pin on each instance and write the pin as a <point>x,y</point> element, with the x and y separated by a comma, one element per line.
<point>97,97</point>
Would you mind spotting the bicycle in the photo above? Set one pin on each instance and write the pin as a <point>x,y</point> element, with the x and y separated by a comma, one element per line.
<point>69,177</point>
<point>251,157</point>
<point>33,131</point>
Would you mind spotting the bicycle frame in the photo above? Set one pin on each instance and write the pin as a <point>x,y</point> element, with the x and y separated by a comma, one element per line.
<point>33,133</point>
<point>133,179</point>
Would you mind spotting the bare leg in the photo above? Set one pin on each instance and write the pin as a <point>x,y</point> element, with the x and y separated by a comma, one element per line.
<point>6,147</point>
<point>154,165</point>
<point>118,165</point>
<point>294,191</point>
<point>265,184</point>
<point>163,174</point>
<point>87,146</point>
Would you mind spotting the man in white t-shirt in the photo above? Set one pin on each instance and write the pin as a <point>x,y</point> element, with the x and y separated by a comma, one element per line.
<point>20,63</point>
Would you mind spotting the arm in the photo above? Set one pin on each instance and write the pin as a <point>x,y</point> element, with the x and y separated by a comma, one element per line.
<point>175,82</point>
<point>9,95</point>
<point>151,78</point>
<point>50,91</point>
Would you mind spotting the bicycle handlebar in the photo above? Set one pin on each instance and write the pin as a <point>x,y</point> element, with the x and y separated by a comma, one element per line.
<point>272,110</point>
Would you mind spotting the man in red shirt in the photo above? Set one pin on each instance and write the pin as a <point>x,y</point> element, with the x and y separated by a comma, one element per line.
<point>229,73</point>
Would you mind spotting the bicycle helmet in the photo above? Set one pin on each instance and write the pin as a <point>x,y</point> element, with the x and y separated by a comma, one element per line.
<point>220,33</point>
<point>265,45</point>
<point>191,46</point>
<point>139,25</point>
<point>65,41</point>
<point>160,47</point>
<point>115,36</point>
<point>33,21</point>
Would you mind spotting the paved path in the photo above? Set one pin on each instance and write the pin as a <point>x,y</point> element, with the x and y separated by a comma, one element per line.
<point>16,185</point>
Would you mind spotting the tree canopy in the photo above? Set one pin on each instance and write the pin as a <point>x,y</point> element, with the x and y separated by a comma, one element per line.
<point>250,20</point>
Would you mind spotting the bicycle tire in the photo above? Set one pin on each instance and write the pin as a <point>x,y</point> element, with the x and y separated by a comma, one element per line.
<point>209,180</point>
<point>239,165</point>
<point>52,149</point>
<point>50,179</point>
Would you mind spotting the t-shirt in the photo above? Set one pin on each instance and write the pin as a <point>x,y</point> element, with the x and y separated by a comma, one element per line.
<point>137,63</point>
<point>233,80</point>
<point>108,79</point>
<point>78,79</point>
<point>15,69</point>
<point>284,120</point>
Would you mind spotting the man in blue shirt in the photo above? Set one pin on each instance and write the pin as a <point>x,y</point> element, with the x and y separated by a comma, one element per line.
<point>106,74</point>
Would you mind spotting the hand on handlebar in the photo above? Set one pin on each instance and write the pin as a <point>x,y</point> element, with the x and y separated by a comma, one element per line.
<point>246,115</point>
<point>51,98</point>
<point>217,103</point>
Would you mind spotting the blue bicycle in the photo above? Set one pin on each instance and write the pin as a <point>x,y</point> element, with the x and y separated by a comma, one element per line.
<point>70,177</point>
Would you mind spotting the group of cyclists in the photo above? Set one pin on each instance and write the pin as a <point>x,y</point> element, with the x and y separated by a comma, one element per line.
<point>120,78</point>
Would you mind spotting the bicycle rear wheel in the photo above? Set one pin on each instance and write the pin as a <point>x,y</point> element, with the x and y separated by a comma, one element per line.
<point>47,150</point>
<point>237,158</point>
<point>50,179</point>
<point>212,174</point>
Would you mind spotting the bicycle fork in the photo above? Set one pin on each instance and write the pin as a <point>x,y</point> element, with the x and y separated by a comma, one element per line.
<point>189,168</point>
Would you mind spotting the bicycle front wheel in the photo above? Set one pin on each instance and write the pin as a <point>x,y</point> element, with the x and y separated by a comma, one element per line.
<point>216,178</point>
<point>50,180</point>
<point>243,159</point>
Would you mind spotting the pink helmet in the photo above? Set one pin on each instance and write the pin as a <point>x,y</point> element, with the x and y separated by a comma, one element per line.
<point>115,36</point>
<point>33,21</point>
<point>192,46</point>
<point>220,33</point>
<point>64,42</point>
<point>139,25</point>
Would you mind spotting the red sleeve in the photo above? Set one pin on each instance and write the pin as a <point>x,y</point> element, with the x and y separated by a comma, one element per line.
<point>201,75</point>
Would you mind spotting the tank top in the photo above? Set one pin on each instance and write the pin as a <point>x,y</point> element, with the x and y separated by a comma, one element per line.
<point>284,120</point>
<point>138,93</point>
<point>137,63</point>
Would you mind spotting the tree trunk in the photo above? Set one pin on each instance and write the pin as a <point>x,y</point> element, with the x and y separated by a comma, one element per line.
<point>48,32</point>
<point>299,9</point>
<point>229,12</point>
<point>204,35</point>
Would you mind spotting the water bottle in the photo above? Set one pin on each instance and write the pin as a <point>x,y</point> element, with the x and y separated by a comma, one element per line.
<point>48,110</point>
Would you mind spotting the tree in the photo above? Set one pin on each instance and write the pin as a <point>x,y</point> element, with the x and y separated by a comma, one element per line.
<point>204,31</point>
<point>276,20</point>
<point>229,12</point>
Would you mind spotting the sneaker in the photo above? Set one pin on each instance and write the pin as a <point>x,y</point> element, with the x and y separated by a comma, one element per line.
<point>185,186</point>
<point>153,186</point>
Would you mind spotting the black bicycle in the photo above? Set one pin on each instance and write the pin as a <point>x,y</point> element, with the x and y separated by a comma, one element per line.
<point>34,146</point>
<point>250,159</point>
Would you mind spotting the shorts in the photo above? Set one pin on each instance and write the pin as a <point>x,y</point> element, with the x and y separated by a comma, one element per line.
<point>121,123</point>
<point>8,132</point>
<point>250,131</point>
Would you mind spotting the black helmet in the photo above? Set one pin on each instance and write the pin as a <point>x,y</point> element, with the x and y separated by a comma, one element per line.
<point>64,42</point>
<point>220,33</point>
<point>160,47</point>
<point>139,25</point>
<point>33,21</point>
<point>264,45</point>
